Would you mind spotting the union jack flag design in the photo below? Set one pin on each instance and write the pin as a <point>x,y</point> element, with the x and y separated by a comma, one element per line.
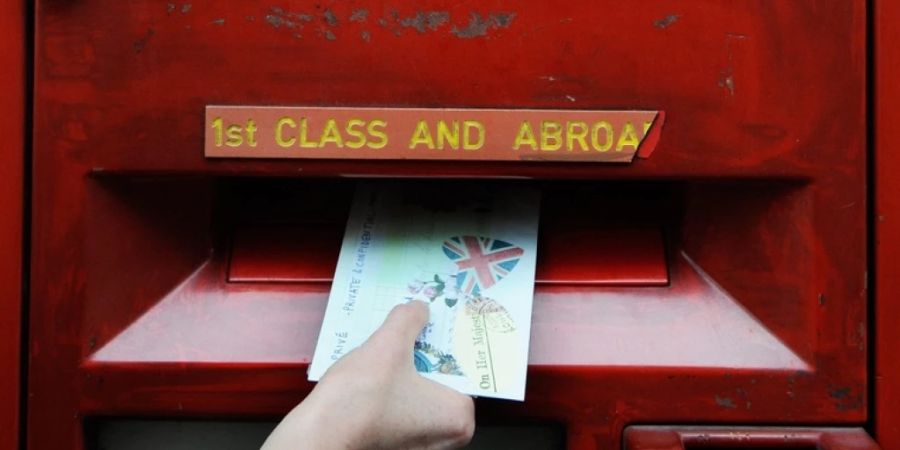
<point>482,261</point>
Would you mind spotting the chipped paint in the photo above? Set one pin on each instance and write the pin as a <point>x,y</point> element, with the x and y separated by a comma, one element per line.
<point>845,399</point>
<point>502,19</point>
<point>359,15</point>
<point>423,21</point>
<point>185,8</point>
<point>479,26</point>
<point>218,21</point>
<point>667,21</point>
<point>839,393</point>
<point>726,79</point>
<point>140,44</point>
<point>281,18</point>
<point>727,82</point>
<point>330,18</point>
<point>170,8</point>
<point>725,402</point>
<point>275,21</point>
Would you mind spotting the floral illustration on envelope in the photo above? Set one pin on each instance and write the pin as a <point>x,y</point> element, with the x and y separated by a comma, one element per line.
<point>481,262</point>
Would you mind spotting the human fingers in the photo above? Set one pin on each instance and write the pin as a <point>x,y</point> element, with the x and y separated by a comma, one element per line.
<point>401,327</point>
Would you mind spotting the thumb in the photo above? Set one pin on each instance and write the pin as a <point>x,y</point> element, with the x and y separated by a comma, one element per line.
<point>401,327</point>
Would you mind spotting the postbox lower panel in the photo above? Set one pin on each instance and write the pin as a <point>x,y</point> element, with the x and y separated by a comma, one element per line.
<point>187,339</point>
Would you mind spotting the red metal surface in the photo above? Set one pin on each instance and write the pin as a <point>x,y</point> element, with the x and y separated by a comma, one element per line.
<point>12,148</point>
<point>285,253</point>
<point>761,197</point>
<point>746,438</point>
<point>675,335</point>
<point>887,221</point>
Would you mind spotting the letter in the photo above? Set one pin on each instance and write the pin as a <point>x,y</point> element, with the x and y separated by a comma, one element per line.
<point>358,134</point>
<point>525,137</point>
<point>647,126</point>
<point>279,132</point>
<point>595,136</point>
<point>628,138</point>
<point>375,132</point>
<point>422,135</point>
<point>331,135</point>
<point>234,136</point>
<point>217,125</point>
<point>479,128</point>
<point>572,135</point>
<point>551,135</point>
<point>303,132</point>
<point>444,133</point>
<point>251,133</point>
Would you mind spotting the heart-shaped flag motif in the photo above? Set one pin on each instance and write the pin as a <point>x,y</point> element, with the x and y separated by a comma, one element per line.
<point>482,261</point>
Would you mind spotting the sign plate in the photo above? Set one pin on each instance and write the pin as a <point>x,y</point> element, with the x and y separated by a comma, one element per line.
<point>430,134</point>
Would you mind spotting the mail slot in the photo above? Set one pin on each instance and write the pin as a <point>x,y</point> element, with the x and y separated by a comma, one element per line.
<point>705,266</point>
<point>584,240</point>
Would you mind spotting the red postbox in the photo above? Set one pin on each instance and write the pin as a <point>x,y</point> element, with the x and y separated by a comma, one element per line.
<point>719,282</point>
<point>12,129</point>
<point>887,239</point>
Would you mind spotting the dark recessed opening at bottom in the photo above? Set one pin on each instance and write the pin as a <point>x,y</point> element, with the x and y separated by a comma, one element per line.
<point>146,434</point>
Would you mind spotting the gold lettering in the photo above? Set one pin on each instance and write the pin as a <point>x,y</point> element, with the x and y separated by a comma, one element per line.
<point>279,132</point>
<point>251,133</point>
<point>572,135</point>
<point>358,134</point>
<point>304,142</point>
<point>217,125</point>
<point>551,135</point>
<point>595,136</point>
<point>647,126</point>
<point>234,136</point>
<point>422,135</point>
<point>374,131</point>
<point>628,138</point>
<point>468,125</point>
<point>331,135</point>
<point>444,133</point>
<point>525,137</point>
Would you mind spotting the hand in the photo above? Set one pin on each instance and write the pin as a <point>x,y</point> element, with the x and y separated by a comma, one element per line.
<point>373,398</point>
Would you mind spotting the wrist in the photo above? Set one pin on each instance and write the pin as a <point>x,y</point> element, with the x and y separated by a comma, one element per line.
<point>324,425</point>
